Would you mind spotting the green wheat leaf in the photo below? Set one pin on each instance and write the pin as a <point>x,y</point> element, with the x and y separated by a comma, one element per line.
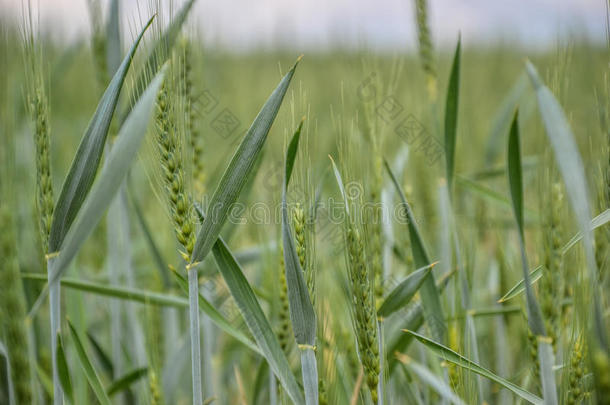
<point>433,311</point>
<point>449,355</point>
<point>90,373</point>
<point>404,292</point>
<point>125,381</point>
<point>451,115</point>
<point>87,158</point>
<point>236,173</point>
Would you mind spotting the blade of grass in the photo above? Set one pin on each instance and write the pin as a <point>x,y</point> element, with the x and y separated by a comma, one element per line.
<point>492,195</point>
<point>449,355</point>
<point>302,313</point>
<point>436,383</point>
<point>235,175</point>
<point>518,288</point>
<point>255,318</point>
<point>90,373</point>
<point>64,371</point>
<point>125,293</point>
<point>451,115</point>
<point>433,311</point>
<point>402,294</point>
<point>534,314</point>
<point>125,381</point>
<point>413,320</point>
<point>600,220</point>
<point>101,355</point>
<point>86,161</point>
<point>515,179</point>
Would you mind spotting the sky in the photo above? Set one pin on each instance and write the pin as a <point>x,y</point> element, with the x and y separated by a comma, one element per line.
<point>379,24</point>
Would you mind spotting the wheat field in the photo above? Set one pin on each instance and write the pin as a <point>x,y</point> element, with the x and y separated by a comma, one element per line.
<point>184,224</point>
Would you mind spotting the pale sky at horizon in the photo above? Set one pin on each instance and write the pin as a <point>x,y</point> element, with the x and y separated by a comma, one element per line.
<point>381,24</point>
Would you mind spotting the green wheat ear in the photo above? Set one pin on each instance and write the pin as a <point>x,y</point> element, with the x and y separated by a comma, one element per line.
<point>193,134</point>
<point>39,107</point>
<point>365,318</point>
<point>551,284</point>
<point>577,370</point>
<point>426,48</point>
<point>169,147</point>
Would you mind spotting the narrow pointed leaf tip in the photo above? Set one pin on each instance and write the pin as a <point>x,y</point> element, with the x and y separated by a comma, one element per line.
<point>514,171</point>
<point>84,167</point>
<point>430,296</point>
<point>515,180</point>
<point>451,114</point>
<point>253,315</point>
<point>235,175</point>
<point>404,292</point>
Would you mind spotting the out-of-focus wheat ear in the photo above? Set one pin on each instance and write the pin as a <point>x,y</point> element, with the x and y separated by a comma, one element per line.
<point>12,317</point>
<point>426,47</point>
<point>577,369</point>
<point>572,169</point>
<point>193,133</point>
<point>551,283</point>
<point>361,295</point>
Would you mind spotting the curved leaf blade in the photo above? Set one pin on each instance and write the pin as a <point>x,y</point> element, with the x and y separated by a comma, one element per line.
<point>515,180</point>
<point>433,311</point>
<point>90,373</point>
<point>449,355</point>
<point>255,318</point>
<point>124,382</point>
<point>236,173</point>
<point>518,288</point>
<point>86,161</point>
<point>64,371</point>
<point>404,292</point>
<point>451,114</point>
<point>436,383</point>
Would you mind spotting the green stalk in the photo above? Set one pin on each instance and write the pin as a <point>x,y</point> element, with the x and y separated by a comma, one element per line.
<point>194,328</point>
<point>55,314</point>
